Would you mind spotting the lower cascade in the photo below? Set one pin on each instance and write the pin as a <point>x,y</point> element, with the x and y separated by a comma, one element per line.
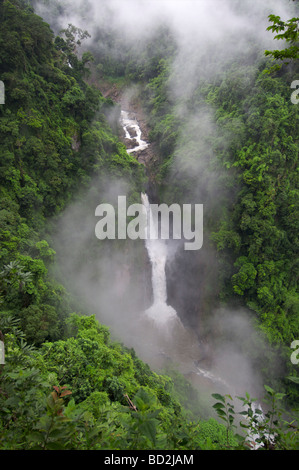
<point>160,311</point>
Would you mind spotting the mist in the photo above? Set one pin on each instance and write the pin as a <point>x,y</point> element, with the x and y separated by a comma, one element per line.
<point>116,284</point>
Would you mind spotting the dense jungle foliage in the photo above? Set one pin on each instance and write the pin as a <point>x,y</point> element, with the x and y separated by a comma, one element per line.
<point>65,383</point>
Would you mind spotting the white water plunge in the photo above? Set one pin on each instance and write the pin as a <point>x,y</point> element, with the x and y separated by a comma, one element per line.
<point>160,312</point>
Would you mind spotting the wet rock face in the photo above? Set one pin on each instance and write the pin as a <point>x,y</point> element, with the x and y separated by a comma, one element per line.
<point>130,143</point>
<point>133,133</point>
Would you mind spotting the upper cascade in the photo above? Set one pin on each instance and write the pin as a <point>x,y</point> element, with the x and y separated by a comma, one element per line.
<point>132,133</point>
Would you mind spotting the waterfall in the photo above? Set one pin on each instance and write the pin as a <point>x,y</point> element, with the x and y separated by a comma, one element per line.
<point>160,311</point>
<point>132,132</point>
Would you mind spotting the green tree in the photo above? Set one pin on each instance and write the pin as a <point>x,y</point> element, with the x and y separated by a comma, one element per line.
<point>287,31</point>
